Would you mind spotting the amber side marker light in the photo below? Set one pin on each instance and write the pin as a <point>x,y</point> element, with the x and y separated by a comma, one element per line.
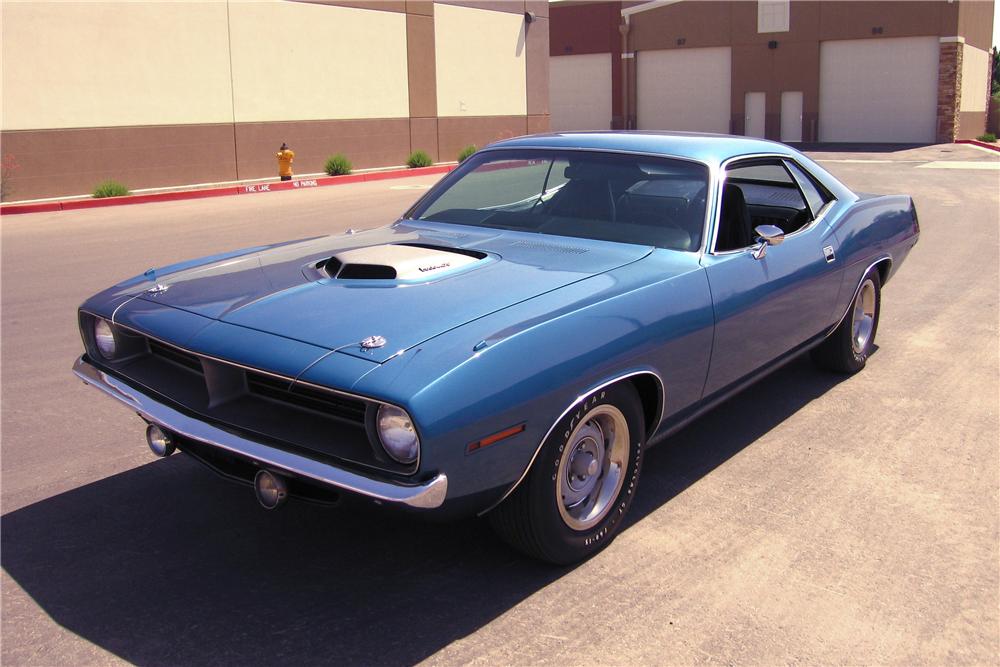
<point>495,438</point>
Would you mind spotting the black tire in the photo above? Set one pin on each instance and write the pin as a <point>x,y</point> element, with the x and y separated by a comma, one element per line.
<point>840,352</point>
<point>532,519</point>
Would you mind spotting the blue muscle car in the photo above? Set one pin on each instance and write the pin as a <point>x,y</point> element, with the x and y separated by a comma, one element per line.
<point>517,339</point>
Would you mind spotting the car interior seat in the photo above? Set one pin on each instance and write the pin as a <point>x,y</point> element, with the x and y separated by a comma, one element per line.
<point>735,224</point>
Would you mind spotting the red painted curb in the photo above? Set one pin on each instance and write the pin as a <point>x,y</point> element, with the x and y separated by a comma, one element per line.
<point>255,188</point>
<point>981,144</point>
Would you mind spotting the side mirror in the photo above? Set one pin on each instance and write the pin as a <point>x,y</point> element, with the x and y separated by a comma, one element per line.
<point>767,235</point>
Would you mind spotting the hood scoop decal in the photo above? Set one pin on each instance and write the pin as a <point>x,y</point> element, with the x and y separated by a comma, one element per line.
<point>402,262</point>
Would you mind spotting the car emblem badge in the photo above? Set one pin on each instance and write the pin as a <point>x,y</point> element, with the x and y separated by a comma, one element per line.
<point>372,342</point>
<point>158,289</point>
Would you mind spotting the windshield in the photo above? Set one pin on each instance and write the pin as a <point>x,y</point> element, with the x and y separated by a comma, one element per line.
<point>604,196</point>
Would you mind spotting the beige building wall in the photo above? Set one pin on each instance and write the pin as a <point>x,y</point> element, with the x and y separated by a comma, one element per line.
<point>157,93</point>
<point>975,79</point>
<point>480,58</point>
<point>297,61</point>
<point>68,64</point>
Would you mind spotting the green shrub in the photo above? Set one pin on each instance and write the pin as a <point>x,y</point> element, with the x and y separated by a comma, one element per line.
<point>338,164</point>
<point>110,188</point>
<point>988,137</point>
<point>466,152</point>
<point>419,159</point>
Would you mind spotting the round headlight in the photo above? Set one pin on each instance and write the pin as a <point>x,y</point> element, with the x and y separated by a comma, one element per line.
<point>398,436</point>
<point>104,338</point>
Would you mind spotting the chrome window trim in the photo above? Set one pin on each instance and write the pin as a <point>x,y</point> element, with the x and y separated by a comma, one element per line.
<point>579,399</point>
<point>291,381</point>
<point>754,156</point>
<point>496,149</point>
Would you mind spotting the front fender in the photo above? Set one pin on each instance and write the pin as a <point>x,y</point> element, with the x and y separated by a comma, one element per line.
<point>530,363</point>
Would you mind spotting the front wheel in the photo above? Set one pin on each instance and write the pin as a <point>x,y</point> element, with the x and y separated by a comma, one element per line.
<point>847,349</point>
<point>581,485</point>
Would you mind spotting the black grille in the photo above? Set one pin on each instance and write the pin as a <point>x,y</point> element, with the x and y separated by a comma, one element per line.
<point>173,355</point>
<point>327,403</point>
<point>308,420</point>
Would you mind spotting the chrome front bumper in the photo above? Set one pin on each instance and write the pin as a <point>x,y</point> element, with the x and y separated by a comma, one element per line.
<point>423,496</point>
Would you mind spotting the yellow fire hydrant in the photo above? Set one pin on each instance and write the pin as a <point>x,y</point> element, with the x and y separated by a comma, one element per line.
<point>285,157</point>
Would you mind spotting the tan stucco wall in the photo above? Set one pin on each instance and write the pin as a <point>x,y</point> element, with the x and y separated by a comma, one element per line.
<point>297,61</point>
<point>82,64</point>
<point>480,57</point>
<point>975,78</point>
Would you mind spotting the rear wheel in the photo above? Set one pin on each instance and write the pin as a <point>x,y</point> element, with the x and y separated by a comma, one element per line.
<point>846,350</point>
<point>581,485</point>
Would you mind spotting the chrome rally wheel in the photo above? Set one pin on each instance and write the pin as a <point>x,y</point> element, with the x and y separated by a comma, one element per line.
<point>592,467</point>
<point>579,488</point>
<point>847,349</point>
<point>864,316</point>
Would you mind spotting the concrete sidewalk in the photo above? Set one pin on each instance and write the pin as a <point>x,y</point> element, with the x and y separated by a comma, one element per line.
<point>255,186</point>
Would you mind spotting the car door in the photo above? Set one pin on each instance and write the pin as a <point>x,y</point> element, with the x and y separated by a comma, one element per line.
<point>768,304</point>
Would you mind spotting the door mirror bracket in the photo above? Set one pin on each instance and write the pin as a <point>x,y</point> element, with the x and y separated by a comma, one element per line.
<point>767,235</point>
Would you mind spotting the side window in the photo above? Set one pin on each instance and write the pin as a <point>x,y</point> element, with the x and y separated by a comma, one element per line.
<point>815,197</point>
<point>758,192</point>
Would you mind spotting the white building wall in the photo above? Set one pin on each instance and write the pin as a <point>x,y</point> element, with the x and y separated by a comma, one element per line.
<point>580,92</point>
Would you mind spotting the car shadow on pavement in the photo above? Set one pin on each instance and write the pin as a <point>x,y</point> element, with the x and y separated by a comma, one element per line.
<point>165,564</point>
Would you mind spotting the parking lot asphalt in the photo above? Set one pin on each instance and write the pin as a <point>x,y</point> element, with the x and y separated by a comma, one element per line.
<point>811,519</point>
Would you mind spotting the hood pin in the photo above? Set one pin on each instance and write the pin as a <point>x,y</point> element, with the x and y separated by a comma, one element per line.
<point>372,342</point>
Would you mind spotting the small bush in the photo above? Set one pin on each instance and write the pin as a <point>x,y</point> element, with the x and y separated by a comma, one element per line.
<point>338,164</point>
<point>466,152</point>
<point>419,159</point>
<point>988,137</point>
<point>110,189</point>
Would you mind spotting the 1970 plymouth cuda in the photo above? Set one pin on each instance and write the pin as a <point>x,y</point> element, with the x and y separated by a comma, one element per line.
<point>514,343</point>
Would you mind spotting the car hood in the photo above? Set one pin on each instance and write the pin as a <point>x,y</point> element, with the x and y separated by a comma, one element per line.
<point>402,284</point>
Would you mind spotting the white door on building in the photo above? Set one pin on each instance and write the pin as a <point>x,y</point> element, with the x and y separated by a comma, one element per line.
<point>580,92</point>
<point>684,89</point>
<point>878,90</point>
<point>791,116</point>
<point>754,105</point>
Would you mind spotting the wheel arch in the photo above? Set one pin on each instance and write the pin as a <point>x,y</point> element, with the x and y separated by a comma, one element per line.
<point>644,381</point>
<point>884,267</point>
<point>649,387</point>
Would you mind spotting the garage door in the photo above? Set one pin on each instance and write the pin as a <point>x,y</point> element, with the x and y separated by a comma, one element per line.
<point>580,92</point>
<point>684,89</point>
<point>878,90</point>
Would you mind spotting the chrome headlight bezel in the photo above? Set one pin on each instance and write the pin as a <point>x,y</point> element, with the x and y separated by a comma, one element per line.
<point>105,341</point>
<point>397,434</point>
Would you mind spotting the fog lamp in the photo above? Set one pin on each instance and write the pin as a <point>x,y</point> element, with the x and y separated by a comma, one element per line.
<point>271,489</point>
<point>159,441</point>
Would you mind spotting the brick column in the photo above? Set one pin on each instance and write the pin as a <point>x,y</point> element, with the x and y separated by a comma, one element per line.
<point>949,88</point>
<point>421,71</point>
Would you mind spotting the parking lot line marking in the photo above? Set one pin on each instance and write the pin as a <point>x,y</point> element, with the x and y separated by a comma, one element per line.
<point>994,166</point>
